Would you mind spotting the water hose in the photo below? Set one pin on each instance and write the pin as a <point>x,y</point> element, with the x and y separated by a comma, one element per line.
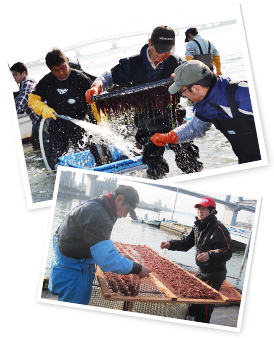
<point>41,128</point>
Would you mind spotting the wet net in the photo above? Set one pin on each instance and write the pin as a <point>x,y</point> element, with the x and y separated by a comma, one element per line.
<point>151,98</point>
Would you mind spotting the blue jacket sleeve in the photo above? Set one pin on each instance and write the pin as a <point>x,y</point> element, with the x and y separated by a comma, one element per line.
<point>109,259</point>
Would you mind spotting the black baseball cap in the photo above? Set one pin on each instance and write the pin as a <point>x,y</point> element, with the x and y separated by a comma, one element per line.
<point>163,39</point>
<point>131,197</point>
<point>192,31</point>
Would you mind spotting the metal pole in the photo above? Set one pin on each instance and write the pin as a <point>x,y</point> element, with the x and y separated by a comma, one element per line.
<point>174,205</point>
<point>246,251</point>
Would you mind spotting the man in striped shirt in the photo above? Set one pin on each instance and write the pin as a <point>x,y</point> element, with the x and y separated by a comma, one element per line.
<point>26,85</point>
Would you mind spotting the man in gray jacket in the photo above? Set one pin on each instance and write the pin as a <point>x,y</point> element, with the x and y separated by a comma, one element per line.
<point>83,240</point>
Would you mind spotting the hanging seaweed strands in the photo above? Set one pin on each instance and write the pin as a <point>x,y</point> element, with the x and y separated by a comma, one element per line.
<point>151,98</point>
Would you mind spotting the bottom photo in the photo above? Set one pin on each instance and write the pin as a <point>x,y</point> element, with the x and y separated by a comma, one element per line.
<point>157,250</point>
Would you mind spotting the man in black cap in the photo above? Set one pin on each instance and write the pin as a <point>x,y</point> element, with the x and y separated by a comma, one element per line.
<point>156,61</point>
<point>83,240</point>
<point>199,48</point>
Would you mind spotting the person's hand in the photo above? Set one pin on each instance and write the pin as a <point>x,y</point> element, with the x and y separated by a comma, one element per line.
<point>203,257</point>
<point>165,245</point>
<point>161,139</point>
<point>144,272</point>
<point>48,113</point>
<point>95,90</point>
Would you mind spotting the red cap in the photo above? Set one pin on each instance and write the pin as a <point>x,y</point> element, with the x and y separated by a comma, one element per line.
<point>206,202</point>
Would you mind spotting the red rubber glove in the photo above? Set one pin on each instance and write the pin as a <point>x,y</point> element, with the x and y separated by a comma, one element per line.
<point>95,90</point>
<point>161,139</point>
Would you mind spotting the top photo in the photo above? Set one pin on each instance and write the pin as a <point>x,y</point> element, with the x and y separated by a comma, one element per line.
<point>170,99</point>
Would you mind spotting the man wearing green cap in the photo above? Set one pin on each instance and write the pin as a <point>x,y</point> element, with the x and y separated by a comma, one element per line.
<point>218,101</point>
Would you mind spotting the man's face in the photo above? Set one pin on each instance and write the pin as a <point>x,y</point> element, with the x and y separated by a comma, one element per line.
<point>192,93</point>
<point>18,77</point>
<point>202,213</point>
<point>61,71</point>
<point>121,208</point>
<point>156,57</point>
<point>190,37</point>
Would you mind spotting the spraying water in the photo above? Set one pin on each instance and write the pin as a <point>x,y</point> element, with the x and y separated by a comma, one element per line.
<point>102,134</point>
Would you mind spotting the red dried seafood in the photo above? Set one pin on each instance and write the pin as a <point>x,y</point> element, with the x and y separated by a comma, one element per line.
<point>121,283</point>
<point>127,285</point>
<point>180,282</point>
<point>176,279</point>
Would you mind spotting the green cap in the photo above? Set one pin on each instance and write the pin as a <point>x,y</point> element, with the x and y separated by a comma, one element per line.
<point>187,74</point>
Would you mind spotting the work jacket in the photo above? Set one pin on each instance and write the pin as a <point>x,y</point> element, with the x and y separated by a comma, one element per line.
<point>208,236</point>
<point>229,109</point>
<point>137,70</point>
<point>85,234</point>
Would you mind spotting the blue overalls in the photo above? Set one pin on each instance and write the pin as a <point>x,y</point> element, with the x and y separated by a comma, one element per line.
<point>71,279</point>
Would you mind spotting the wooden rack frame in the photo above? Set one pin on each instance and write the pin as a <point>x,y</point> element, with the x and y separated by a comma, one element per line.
<point>166,294</point>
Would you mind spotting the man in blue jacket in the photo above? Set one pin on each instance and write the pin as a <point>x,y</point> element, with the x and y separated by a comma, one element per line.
<point>83,240</point>
<point>213,249</point>
<point>218,101</point>
<point>156,61</point>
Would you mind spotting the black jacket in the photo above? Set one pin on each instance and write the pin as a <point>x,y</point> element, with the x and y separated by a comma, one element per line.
<point>208,236</point>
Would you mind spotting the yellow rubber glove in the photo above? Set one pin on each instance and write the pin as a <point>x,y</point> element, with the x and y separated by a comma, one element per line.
<point>40,108</point>
<point>49,113</point>
<point>99,116</point>
<point>217,64</point>
<point>188,57</point>
<point>161,139</point>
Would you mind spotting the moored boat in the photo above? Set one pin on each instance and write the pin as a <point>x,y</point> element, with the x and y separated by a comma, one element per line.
<point>152,222</point>
<point>25,126</point>
<point>239,235</point>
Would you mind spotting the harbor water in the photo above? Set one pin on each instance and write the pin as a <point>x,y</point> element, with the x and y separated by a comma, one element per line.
<point>215,150</point>
<point>130,232</point>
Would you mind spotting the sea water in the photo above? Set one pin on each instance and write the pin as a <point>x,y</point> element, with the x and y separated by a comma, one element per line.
<point>102,134</point>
